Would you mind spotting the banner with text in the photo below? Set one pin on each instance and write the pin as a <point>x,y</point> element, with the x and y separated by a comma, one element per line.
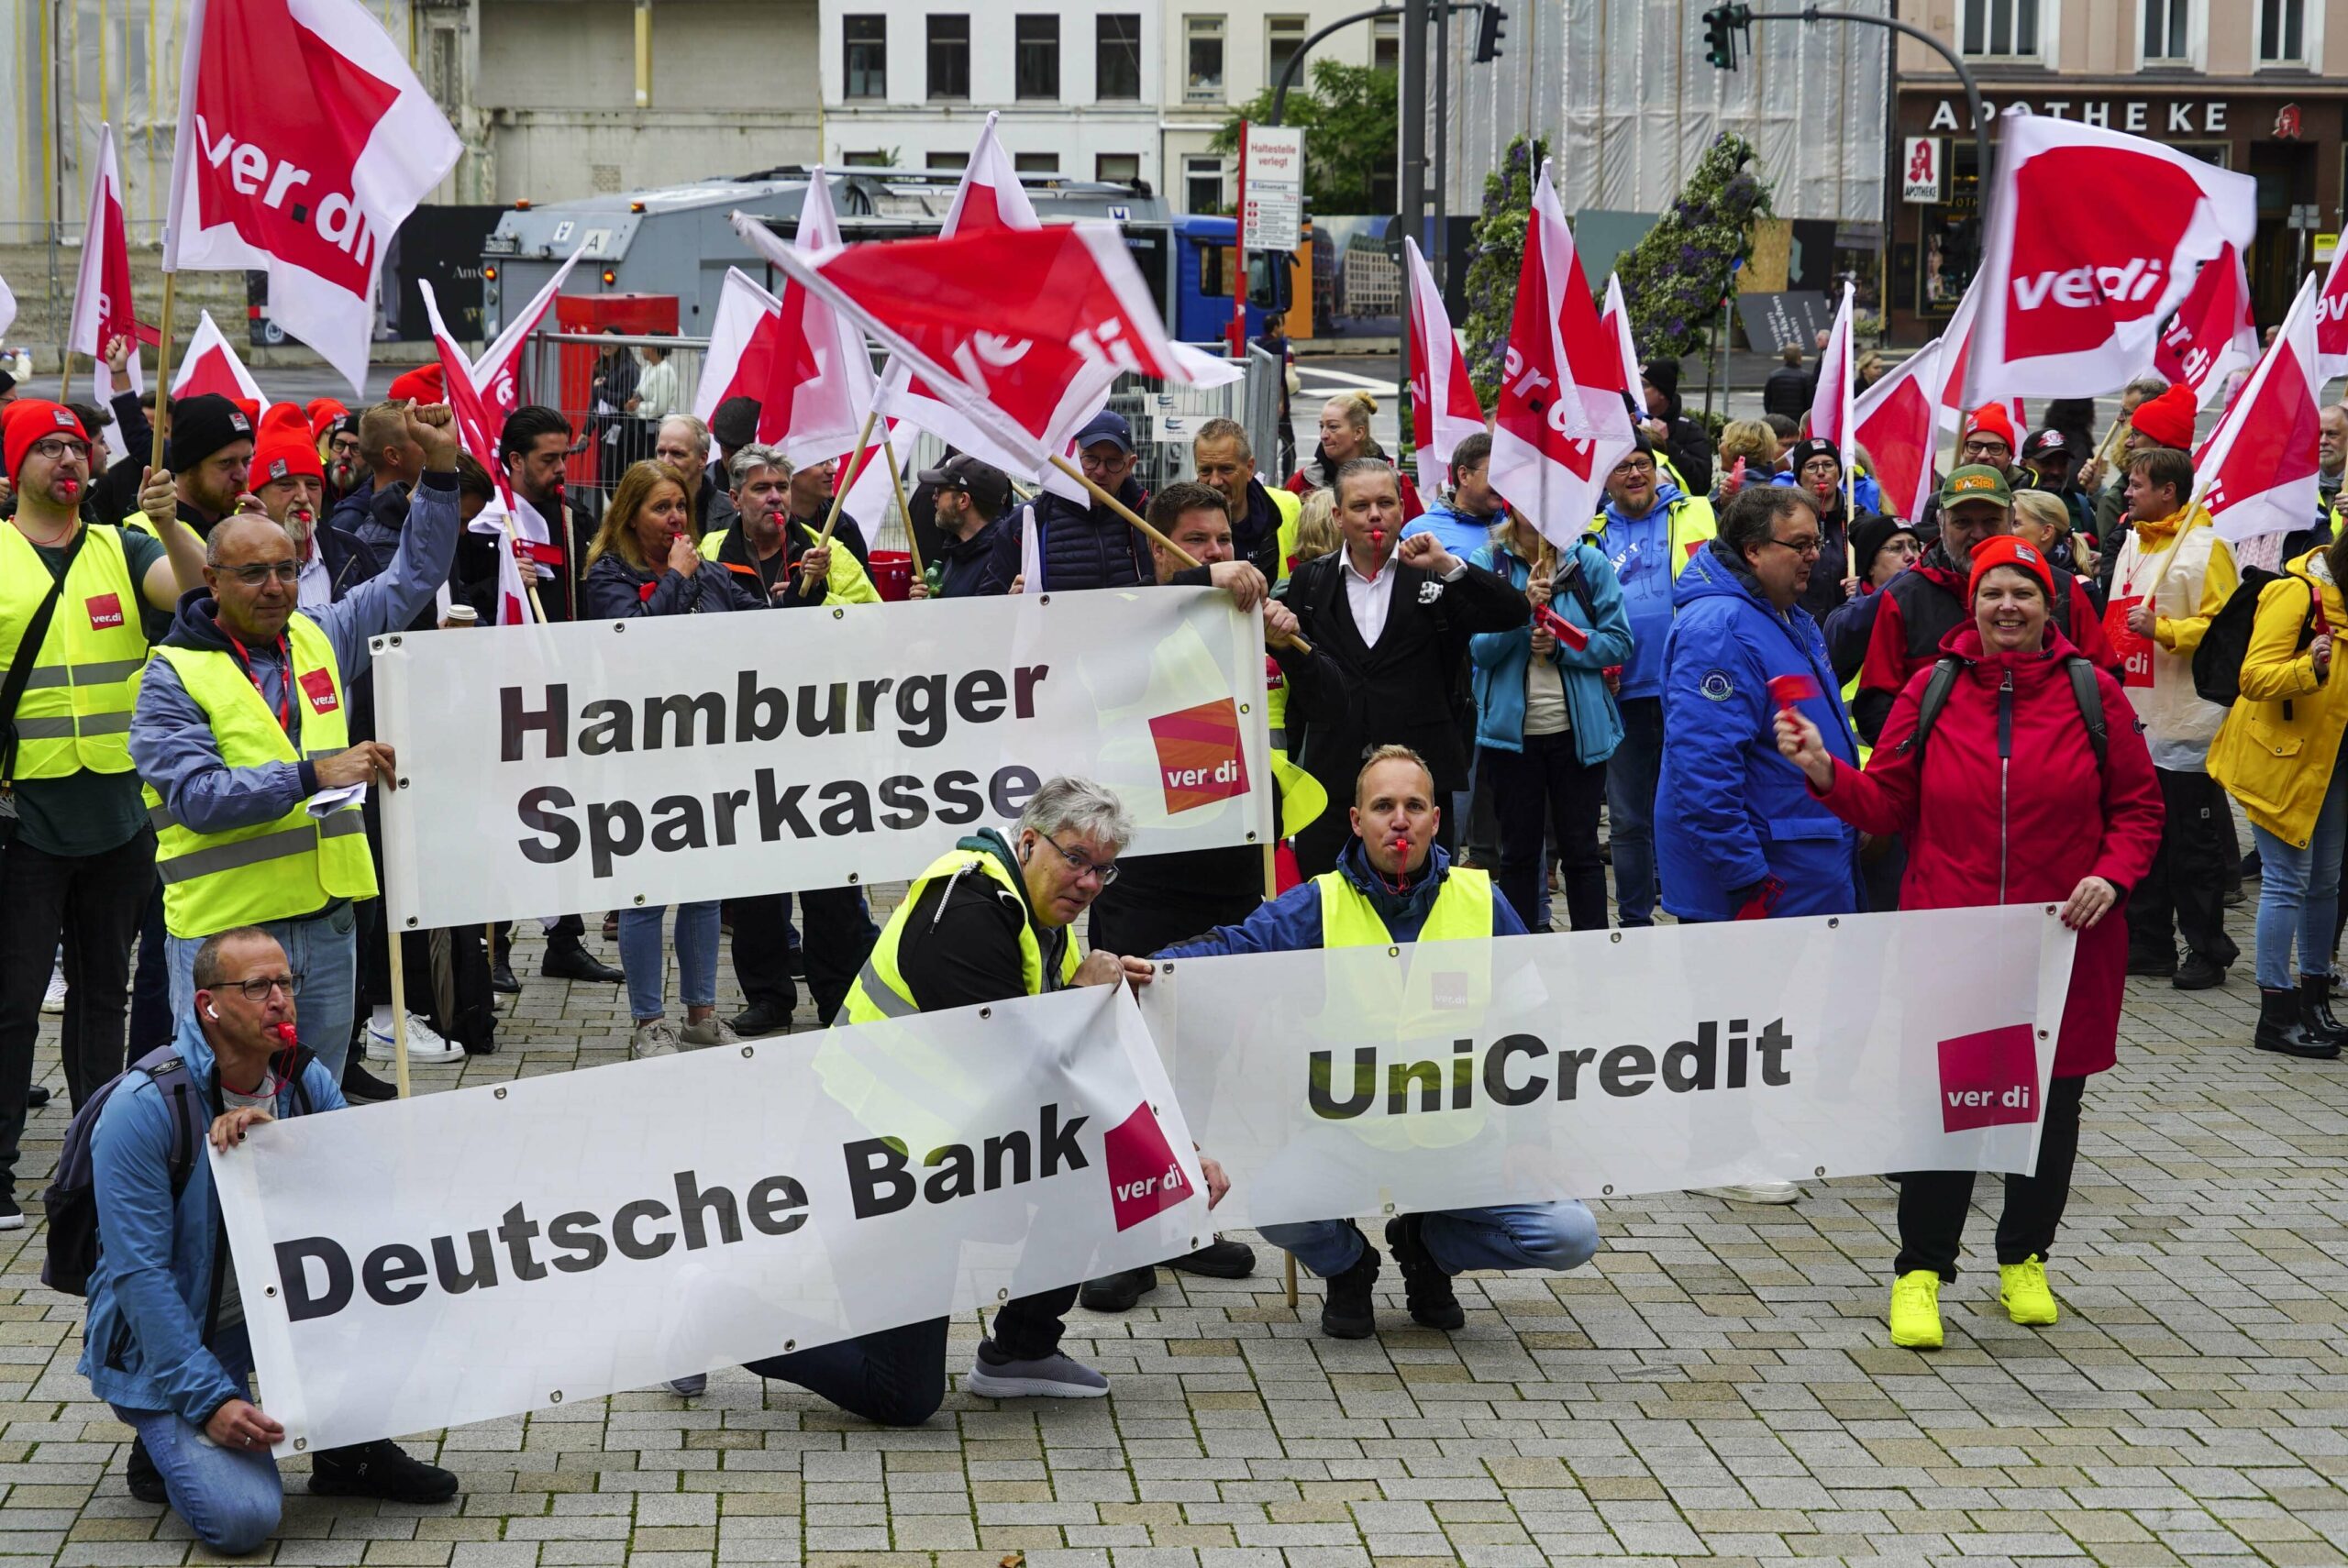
<point>660,761</point>
<point>564,1237</point>
<point>1449,1074</point>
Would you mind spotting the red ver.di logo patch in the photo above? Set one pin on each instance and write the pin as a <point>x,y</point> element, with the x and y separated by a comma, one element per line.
<point>317,685</point>
<point>1988,1079</point>
<point>1145,1178</point>
<point>106,609</point>
<point>1199,759</point>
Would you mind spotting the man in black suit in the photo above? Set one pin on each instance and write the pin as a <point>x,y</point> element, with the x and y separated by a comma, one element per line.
<point>1389,620</point>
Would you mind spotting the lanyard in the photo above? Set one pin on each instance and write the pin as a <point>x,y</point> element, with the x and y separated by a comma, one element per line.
<point>285,696</point>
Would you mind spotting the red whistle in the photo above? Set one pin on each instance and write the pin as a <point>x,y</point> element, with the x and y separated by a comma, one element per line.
<point>1557,626</point>
<point>1786,690</point>
<point>285,1035</point>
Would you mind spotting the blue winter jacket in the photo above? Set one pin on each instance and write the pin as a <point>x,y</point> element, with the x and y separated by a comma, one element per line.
<point>1866,494</point>
<point>1461,533</point>
<point>145,1341</point>
<point>1639,548</point>
<point>1501,658</point>
<point>1291,922</point>
<point>1730,811</point>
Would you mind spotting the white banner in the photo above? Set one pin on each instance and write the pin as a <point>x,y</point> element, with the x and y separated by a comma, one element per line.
<point>1451,1075</point>
<point>430,1262</point>
<point>665,760</point>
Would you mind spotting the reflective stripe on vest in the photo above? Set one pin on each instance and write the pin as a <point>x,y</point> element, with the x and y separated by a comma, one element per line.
<point>880,990</point>
<point>844,581</point>
<point>75,712</point>
<point>1463,910</point>
<point>287,867</point>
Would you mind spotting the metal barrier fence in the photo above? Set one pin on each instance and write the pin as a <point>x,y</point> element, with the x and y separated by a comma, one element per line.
<point>597,381</point>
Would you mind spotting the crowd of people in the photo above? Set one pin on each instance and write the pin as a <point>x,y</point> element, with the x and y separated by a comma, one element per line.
<point>1735,667</point>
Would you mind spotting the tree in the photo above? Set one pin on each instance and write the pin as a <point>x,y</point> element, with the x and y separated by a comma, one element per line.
<point>1498,256</point>
<point>1673,280</point>
<point>1351,129</point>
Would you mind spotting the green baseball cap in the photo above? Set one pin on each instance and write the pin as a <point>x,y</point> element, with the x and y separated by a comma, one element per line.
<point>1977,481</point>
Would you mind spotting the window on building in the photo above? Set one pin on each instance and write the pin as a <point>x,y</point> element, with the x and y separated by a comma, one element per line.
<point>1203,77</point>
<point>877,160</point>
<point>1035,162</point>
<point>864,65</point>
<point>951,162</point>
<point>1386,43</point>
<point>2165,38</point>
<point>1116,57</point>
<point>2282,32</point>
<point>1202,185</point>
<point>1283,36</point>
<point>1036,65</point>
<point>1123,168</point>
<point>1994,28</point>
<point>949,58</point>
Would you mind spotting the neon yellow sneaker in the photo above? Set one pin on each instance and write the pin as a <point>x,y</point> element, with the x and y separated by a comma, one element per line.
<point>1916,1309</point>
<point>2023,1288</point>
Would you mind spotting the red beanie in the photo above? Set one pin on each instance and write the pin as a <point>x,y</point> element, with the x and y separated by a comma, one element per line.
<point>325,415</point>
<point>283,446</point>
<point>2168,418</point>
<point>2005,551</point>
<point>1992,419</point>
<point>424,384</point>
<point>31,419</point>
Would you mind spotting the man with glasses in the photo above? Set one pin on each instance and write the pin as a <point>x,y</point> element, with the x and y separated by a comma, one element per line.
<point>165,1341</point>
<point>1086,545</point>
<point>1649,530</point>
<point>82,861</point>
<point>242,736</point>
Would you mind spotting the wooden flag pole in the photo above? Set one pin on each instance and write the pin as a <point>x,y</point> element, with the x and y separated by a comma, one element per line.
<point>163,377</point>
<point>897,483</point>
<point>399,1008</point>
<point>841,484</point>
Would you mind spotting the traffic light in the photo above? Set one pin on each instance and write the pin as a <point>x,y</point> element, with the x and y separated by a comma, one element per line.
<point>1722,24</point>
<point>1489,30</point>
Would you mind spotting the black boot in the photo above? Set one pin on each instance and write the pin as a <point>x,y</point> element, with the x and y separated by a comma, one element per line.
<point>1347,1310</point>
<point>379,1469</point>
<point>2315,1008</point>
<point>361,1087</point>
<point>568,959</point>
<point>146,1481</point>
<point>1219,1259</point>
<point>1117,1292</point>
<point>1426,1287</point>
<point>2282,1027</point>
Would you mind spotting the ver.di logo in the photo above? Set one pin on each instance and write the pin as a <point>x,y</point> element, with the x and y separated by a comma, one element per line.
<point>1199,757</point>
<point>1988,1079</point>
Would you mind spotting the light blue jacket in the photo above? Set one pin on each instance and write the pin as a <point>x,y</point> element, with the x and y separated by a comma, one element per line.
<point>145,1341</point>
<point>1501,658</point>
<point>1461,533</point>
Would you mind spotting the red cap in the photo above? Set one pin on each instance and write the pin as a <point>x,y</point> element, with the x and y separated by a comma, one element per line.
<point>2005,551</point>
<point>2168,418</point>
<point>283,446</point>
<point>31,419</point>
<point>324,413</point>
<point>1992,419</point>
<point>425,384</point>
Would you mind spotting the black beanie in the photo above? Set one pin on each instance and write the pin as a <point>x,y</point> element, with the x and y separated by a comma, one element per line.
<point>735,422</point>
<point>1868,538</point>
<point>201,426</point>
<point>1663,375</point>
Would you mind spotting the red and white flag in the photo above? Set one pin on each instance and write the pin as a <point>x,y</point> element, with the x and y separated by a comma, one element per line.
<point>1444,410</point>
<point>2257,470</point>
<point>496,375</point>
<point>1561,426</point>
<point>1614,318</point>
<point>210,365</point>
<point>2213,333</point>
<point>2073,308</point>
<point>819,381</point>
<point>1019,333</point>
<point>1832,407</point>
<point>1956,340</point>
<point>2332,320</point>
<point>742,339</point>
<point>102,302</point>
<point>304,141</point>
<point>1896,420</point>
<point>477,427</point>
<point>511,520</point>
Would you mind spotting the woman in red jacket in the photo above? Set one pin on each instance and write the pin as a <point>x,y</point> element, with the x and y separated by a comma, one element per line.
<point>1991,810</point>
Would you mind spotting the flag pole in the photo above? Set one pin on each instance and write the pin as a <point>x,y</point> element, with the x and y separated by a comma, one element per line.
<point>1135,518</point>
<point>841,484</point>
<point>897,483</point>
<point>164,377</point>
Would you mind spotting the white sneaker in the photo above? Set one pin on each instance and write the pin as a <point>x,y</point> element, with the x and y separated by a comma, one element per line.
<point>653,1039</point>
<point>424,1046</point>
<point>710,1031</point>
<point>1757,1192</point>
<point>53,1000</point>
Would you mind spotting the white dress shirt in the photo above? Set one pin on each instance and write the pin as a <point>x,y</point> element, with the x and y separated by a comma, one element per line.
<point>1368,598</point>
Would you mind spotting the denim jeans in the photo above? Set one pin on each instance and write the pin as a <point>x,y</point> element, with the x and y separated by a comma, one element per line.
<point>1632,775</point>
<point>2297,891</point>
<point>647,966</point>
<point>324,951</point>
<point>232,1499</point>
<point>1508,1235</point>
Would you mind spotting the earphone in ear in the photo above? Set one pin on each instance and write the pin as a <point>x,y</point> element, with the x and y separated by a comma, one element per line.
<point>211,1011</point>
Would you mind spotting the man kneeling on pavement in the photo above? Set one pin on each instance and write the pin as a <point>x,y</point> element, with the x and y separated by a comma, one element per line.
<point>165,1341</point>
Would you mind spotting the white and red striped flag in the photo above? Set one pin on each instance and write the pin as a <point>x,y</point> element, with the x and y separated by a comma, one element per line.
<point>211,365</point>
<point>496,374</point>
<point>1833,406</point>
<point>743,336</point>
<point>1614,319</point>
<point>1444,410</point>
<point>511,521</point>
<point>1896,420</point>
<point>2257,471</point>
<point>101,297</point>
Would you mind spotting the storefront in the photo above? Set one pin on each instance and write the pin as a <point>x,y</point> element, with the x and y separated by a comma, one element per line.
<point>2288,140</point>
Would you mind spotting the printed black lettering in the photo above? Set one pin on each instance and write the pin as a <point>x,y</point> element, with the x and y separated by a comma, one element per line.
<point>958,798</point>
<point>575,1234</point>
<point>540,811</point>
<point>760,712</point>
<point>294,1259</point>
<point>1012,1149</point>
<point>444,1263</point>
<point>1318,1084</point>
<point>624,1230</point>
<point>1463,1073</point>
<point>516,721</point>
<point>833,721</point>
<point>1497,1088</point>
<point>678,711</point>
<point>1400,1076</point>
<point>1774,1043</point>
<point>1010,788</point>
<point>1025,679</point>
<point>1057,1143</point>
<point>920,710</point>
<point>615,831</point>
<point>519,1231</point>
<point>955,1175</point>
<point>772,1203</point>
<point>1626,1070</point>
<point>900,797</point>
<point>394,1275</point>
<point>978,696</point>
<point>677,824</point>
<point>1569,1067</point>
<point>867,698</point>
<point>693,1204</point>
<point>778,811</point>
<point>610,727</point>
<point>1690,1064</point>
<point>848,810</point>
<point>724,803</point>
<point>876,1177</point>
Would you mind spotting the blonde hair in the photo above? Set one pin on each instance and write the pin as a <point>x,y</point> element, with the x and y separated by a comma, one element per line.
<point>1316,525</point>
<point>1750,439</point>
<point>2045,510</point>
<point>632,494</point>
<point>1359,407</point>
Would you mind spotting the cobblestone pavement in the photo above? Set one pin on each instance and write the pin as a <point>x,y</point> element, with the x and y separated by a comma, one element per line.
<point>1717,1385</point>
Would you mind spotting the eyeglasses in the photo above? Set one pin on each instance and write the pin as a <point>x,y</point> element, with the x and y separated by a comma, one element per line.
<point>1998,450</point>
<point>1806,546</point>
<point>1106,870</point>
<point>1633,467</point>
<point>56,446</point>
<point>258,989</point>
<point>261,571</point>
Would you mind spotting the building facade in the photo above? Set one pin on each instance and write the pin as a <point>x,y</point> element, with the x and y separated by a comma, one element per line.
<point>2259,86</point>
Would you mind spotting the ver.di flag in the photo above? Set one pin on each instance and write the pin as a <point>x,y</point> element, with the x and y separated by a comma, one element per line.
<point>1444,410</point>
<point>2213,333</point>
<point>2332,320</point>
<point>304,141</point>
<point>1896,421</point>
<point>504,518</point>
<point>211,365</point>
<point>102,291</point>
<point>2258,468</point>
<point>496,374</point>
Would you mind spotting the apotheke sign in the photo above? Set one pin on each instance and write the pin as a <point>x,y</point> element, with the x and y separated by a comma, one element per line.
<point>2190,116</point>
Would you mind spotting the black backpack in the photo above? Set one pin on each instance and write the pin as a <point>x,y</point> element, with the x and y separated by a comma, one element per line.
<point>2217,663</point>
<point>71,1200</point>
<point>2084,691</point>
